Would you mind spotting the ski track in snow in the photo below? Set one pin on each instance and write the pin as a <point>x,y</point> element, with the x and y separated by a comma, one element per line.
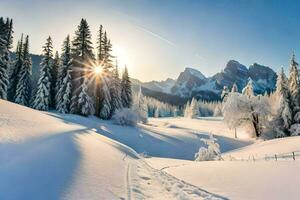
<point>145,182</point>
<point>128,182</point>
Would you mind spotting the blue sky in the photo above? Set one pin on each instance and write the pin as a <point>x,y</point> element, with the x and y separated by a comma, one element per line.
<point>157,39</point>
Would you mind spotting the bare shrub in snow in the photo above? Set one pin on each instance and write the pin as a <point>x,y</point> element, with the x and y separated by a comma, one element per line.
<point>125,117</point>
<point>212,152</point>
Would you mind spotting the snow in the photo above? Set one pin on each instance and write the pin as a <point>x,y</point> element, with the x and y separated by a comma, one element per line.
<point>46,155</point>
<point>58,156</point>
<point>237,179</point>
<point>258,179</point>
<point>260,149</point>
<point>195,72</point>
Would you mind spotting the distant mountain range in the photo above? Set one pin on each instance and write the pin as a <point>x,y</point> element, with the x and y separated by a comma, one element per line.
<point>192,83</point>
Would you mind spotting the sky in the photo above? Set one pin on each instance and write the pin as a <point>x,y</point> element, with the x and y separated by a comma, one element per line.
<point>157,39</point>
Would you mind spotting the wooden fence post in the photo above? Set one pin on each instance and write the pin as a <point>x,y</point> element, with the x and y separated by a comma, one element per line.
<point>275,157</point>
<point>294,156</point>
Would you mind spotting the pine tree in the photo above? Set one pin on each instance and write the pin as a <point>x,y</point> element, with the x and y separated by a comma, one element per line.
<point>23,89</point>
<point>115,90</point>
<point>284,115</point>
<point>100,47</point>
<point>294,89</point>
<point>224,93</point>
<point>63,96</point>
<point>83,58</point>
<point>187,109</point>
<point>126,93</point>
<point>140,107</point>
<point>4,60</point>
<point>248,89</point>
<point>194,108</point>
<point>85,103</point>
<point>107,57</point>
<point>15,71</point>
<point>54,77</point>
<point>9,33</point>
<point>234,88</point>
<point>42,97</point>
<point>105,111</point>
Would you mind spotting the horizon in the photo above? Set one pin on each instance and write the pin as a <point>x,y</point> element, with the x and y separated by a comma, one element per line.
<point>159,40</point>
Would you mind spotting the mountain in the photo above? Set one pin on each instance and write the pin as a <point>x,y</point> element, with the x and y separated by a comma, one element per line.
<point>192,83</point>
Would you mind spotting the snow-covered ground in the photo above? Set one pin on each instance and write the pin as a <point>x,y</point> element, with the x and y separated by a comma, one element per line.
<point>46,155</point>
<point>51,156</point>
<point>249,179</point>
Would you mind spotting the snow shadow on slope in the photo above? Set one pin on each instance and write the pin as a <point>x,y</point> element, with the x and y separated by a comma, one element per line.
<point>41,168</point>
<point>151,142</point>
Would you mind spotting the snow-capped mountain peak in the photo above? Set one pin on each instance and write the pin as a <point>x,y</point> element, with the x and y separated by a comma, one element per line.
<point>194,72</point>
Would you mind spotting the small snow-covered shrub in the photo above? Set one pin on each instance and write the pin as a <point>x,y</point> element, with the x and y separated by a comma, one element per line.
<point>125,117</point>
<point>212,152</point>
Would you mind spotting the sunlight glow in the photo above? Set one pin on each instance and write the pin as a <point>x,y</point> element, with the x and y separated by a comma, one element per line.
<point>97,70</point>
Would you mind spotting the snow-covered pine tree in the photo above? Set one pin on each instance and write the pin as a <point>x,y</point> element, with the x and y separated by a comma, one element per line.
<point>115,90</point>
<point>140,107</point>
<point>8,31</point>
<point>126,93</point>
<point>23,90</point>
<point>63,96</point>
<point>15,70</point>
<point>225,93</point>
<point>4,59</point>
<point>234,88</point>
<point>248,89</point>
<point>105,110</point>
<point>193,109</point>
<point>100,47</point>
<point>42,97</point>
<point>156,113</point>
<point>82,59</point>
<point>107,57</point>
<point>283,118</point>
<point>187,109</point>
<point>54,78</point>
<point>294,88</point>
<point>85,103</point>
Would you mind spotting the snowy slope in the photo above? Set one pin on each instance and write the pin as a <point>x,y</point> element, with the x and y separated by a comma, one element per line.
<point>51,156</point>
<point>237,179</point>
<point>258,179</point>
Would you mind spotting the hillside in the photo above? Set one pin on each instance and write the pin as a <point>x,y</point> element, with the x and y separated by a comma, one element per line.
<point>50,156</point>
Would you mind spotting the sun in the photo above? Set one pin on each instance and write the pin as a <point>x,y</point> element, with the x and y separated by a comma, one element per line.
<point>97,70</point>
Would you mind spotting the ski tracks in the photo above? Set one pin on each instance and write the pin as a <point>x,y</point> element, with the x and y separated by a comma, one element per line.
<point>144,182</point>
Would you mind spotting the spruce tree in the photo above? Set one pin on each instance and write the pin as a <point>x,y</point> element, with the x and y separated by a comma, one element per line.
<point>234,88</point>
<point>100,47</point>
<point>15,71</point>
<point>283,118</point>
<point>82,59</point>
<point>63,96</point>
<point>248,89</point>
<point>225,93</point>
<point>115,90</point>
<point>106,107</point>
<point>42,97</point>
<point>54,77</point>
<point>23,89</point>
<point>294,89</point>
<point>126,93</point>
<point>85,102</point>
<point>4,60</point>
